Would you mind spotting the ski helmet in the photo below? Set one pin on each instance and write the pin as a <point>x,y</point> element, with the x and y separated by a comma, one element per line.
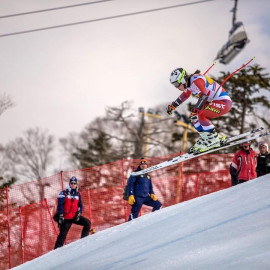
<point>73,179</point>
<point>245,144</point>
<point>261,144</point>
<point>178,76</point>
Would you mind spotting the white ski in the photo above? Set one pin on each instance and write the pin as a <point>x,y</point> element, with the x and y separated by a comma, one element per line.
<point>248,136</point>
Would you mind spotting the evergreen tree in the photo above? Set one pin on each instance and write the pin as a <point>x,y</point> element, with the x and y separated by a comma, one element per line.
<point>247,90</point>
<point>97,152</point>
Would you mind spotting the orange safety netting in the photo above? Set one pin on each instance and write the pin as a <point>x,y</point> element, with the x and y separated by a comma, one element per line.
<point>27,229</point>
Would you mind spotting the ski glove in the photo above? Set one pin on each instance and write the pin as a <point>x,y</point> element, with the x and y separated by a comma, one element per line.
<point>170,109</point>
<point>77,217</point>
<point>61,219</point>
<point>131,199</point>
<point>154,197</point>
<point>194,115</point>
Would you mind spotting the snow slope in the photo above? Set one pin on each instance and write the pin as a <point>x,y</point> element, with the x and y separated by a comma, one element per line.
<point>229,229</point>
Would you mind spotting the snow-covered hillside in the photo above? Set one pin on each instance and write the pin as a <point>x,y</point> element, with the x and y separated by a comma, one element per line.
<point>229,229</point>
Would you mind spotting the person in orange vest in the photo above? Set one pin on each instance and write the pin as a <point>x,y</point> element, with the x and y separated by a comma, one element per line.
<point>243,166</point>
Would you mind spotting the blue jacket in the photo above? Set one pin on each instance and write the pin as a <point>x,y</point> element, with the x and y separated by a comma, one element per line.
<point>140,186</point>
<point>69,202</point>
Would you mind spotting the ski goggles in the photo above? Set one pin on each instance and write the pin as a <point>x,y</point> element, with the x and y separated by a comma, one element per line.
<point>181,80</point>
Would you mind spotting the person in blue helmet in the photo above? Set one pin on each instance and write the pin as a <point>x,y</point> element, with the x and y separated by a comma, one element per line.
<point>69,211</point>
<point>141,192</point>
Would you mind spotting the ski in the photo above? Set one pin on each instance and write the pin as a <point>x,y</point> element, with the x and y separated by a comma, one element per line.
<point>251,135</point>
<point>242,135</point>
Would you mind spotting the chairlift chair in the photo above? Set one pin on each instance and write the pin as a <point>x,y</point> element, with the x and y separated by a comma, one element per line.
<point>236,43</point>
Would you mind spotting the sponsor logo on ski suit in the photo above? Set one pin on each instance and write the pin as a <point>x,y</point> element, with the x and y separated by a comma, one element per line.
<point>221,104</point>
<point>202,84</point>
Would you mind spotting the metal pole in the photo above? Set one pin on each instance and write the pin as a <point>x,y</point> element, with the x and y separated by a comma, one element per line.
<point>234,10</point>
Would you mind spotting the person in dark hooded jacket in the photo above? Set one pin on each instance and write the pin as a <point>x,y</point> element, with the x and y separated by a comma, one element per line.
<point>141,192</point>
<point>263,164</point>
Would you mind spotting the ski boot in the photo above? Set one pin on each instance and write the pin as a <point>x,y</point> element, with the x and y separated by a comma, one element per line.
<point>197,144</point>
<point>208,140</point>
<point>223,139</point>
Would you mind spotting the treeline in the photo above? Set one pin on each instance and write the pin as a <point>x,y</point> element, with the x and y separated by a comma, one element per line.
<point>126,132</point>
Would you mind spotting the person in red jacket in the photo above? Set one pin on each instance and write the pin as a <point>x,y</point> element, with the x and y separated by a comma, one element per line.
<point>70,209</point>
<point>243,166</point>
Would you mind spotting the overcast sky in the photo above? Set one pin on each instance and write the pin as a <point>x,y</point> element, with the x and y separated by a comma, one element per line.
<point>63,78</point>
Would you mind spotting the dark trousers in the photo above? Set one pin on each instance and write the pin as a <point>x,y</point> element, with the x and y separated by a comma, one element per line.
<point>139,201</point>
<point>64,228</point>
<point>236,181</point>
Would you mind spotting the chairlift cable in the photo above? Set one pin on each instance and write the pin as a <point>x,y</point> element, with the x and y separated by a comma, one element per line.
<point>51,9</point>
<point>104,18</point>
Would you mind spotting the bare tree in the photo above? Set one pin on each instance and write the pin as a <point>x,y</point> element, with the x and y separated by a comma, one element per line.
<point>122,133</point>
<point>5,103</point>
<point>29,157</point>
<point>69,145</point>
<point>147,134</point>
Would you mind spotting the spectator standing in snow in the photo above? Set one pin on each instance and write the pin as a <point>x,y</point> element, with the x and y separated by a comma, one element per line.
<point>141,192</point>
<point>243,166</point>
<point>69,210</point>
<point>263,163</point>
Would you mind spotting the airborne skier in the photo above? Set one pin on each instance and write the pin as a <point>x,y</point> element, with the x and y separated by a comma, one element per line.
<point>213,102</point>
<point>234,140</point>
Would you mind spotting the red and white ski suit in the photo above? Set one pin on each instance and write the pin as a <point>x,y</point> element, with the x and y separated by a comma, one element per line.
<point>221,103</point>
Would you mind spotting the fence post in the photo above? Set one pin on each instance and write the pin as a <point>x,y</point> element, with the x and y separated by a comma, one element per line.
<point>124,183</point>
<point>8,223</point>
<point>89,203</point>
<point>62,180</point>
<point>179,183</point>
<point>22,238</point>
<point>183,192</point>
<point>196,186</point>
<point>53,223</point>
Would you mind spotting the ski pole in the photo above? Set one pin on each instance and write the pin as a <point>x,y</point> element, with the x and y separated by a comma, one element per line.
<point>209,68</point>
<point>230,77</point>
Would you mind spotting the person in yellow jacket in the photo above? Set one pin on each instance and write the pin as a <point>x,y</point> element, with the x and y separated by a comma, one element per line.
<point>141,192</point>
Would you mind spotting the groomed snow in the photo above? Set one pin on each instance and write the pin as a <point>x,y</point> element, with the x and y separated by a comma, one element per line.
<point>229,229</point>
